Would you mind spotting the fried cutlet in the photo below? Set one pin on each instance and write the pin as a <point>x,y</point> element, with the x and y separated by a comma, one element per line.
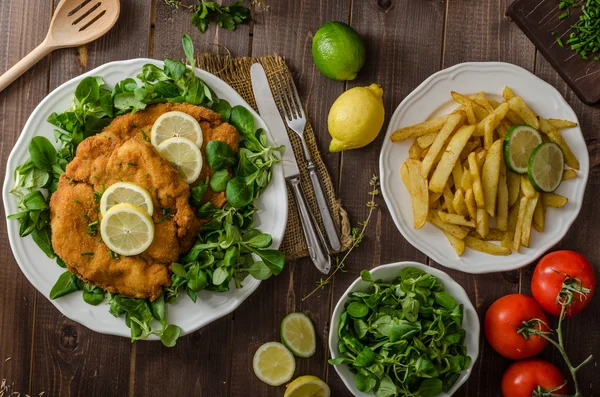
<point>122,153</point>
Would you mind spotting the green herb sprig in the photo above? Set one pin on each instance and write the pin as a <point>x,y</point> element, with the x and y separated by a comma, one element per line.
<point>203,12</point>
<point>584,38</point>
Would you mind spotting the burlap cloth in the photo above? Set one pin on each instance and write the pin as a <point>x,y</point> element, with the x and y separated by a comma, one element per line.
<point>236,72</point>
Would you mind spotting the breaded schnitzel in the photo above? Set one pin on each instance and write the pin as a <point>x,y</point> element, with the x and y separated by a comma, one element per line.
<point>122,153</point>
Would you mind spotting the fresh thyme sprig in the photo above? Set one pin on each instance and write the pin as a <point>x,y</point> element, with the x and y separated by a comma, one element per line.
<point>358,235</point>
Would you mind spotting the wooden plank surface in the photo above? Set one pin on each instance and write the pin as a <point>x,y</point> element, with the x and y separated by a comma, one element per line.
<point>407,41</point>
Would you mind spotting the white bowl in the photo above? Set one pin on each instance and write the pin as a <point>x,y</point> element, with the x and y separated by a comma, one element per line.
<point>432,98</point>
<point>389,272</point>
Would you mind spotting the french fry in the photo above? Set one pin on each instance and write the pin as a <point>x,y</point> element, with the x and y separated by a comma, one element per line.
<point>502,209</point>
<point>507,239</point>
<point>469,147</point>
<point>467,182</point>
<point>454,230</point>
<point>470,114</point>
<point>539,216</point>
<point>507,93</point>
<point>554,200</point>
<point>433,198</point>
<point>436,147</point>
<point>448,199</point>
<point>528,220</point>
<point>569,174</point>
<point>516,245</point>
<point>514,118</point>
<point>490,176</point>
<point>502,129</point>
<point>493,118</point>
<point>488,132</point>
<point>527,187</point>
<point>419,192</point>
<point>483,227</point>
<point>470,202</point>
<point>482,101</point>
<point>457,174</point>
<point>476,181</point>
<point>414,152</point>
<point>570,158</point>
<point>514,187</point>
<point>560,124</point>
<point>460,207</point>
<point>449,158</point>
<point>425,141</point>
<point>480,112</point>
<point>456,219</point>
<point>405,176</point>
<point>417,130</point>
<point>493,235</point>
<point>424,153</point>
<point>457,244</point>
<point>485,246</point>
<point>520,107</point>
<point>480,157</point>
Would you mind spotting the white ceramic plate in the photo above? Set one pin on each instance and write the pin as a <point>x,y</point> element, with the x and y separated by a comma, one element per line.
<point>389,272</point>
<point>42,272</point>
<point>432,98</point>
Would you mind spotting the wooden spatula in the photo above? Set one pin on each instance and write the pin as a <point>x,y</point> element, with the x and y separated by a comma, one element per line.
<point>75,22</point>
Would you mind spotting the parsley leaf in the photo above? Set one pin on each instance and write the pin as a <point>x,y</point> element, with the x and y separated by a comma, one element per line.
<point>225,16</point>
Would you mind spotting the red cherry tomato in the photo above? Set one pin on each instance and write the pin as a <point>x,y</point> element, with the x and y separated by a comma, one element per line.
<point>549,275</point>
<point>523,377</point>
<point>504,318</point>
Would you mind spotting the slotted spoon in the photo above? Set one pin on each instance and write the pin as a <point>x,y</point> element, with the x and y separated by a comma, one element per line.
<point>75,22</point>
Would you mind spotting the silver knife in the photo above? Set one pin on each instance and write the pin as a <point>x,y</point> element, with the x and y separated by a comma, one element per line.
<point>268,111</point>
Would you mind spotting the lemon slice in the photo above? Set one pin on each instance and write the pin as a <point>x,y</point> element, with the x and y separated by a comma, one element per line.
<point>307,386</point>
<point>126,192</point>
<point>184,155</point>
<point>176,124</point>
<point>273,364</point>
<point>546,167</point>
<point>126,229</point>
<point>298,334</point>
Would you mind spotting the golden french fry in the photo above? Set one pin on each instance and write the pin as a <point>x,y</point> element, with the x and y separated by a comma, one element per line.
<point>470,114</point>
<point>436,147</point>
<point>469,147</point>
<point>554,200</point>
<point>414,152</point>
<point>482,222</point>
<point>470,202</point>
<point>417,130</point>
<point>448,199</point>
<point>528,220</point>
<point>520,107</point>
<point>514,187</point>
<point>449,158</point>
<point>508,94</point>
<point>457,174</point>
<point>490,175</point>
<point>467,182</point>
<point>419,193</point>
<point>514,118</point>
<point>480,157</point>
<point>476,181</point>
<point>493,119</point>
<point>569,174</point>
<point>424,153</point>
<point>527,187</point>
<point>560,124</point>
<point>456,219</point>
<point>502,129</point>
<point>507,239</point>
<point>457,244</point>
<point>502,218</point>
<point>433,198</point>
<point>405,176</point>
<point>454,230</point>
<point>480,112</point>
<point>488,132</point>
<point>485,246</point>
<point>460,207</point>
<point>539,216</point>
<point>493,235</point>
<point>570,158</point>
<point>516,245</point>
<point>425,141</point>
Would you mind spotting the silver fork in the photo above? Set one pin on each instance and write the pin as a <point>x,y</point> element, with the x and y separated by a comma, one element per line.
<point>296,120</point>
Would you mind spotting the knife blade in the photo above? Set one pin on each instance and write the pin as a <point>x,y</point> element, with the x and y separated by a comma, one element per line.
<point>268,111</point>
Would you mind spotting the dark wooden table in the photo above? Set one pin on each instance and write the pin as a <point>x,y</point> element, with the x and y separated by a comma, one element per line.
<point>407,40</point>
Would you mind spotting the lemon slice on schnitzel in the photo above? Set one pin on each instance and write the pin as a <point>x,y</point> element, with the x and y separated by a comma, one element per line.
<point>184,155</point>
<point>126,192</point>
<point>176,124</point>
<point>127,229</point>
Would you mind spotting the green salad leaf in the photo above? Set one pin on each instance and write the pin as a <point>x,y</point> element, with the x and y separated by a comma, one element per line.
<point>403,338</point>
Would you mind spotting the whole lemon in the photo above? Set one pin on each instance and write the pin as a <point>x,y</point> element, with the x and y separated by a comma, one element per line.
<point>356,118</point>
<point>338,51</point>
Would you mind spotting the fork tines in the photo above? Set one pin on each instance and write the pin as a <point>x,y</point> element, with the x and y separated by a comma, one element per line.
<point>286,92</point>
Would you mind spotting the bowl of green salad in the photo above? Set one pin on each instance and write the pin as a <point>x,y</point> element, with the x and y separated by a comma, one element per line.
<point>404,329</point>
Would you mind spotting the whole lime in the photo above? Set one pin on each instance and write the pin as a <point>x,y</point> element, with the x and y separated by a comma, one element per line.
<point>338,51</point>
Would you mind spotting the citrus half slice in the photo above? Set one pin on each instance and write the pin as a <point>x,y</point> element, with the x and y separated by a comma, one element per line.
<point>127,229</point>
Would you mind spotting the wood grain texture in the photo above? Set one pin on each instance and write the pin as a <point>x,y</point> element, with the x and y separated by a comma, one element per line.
<point>17,295</point>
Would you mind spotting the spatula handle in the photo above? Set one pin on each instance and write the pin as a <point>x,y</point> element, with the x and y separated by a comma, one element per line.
<point>24,65</point>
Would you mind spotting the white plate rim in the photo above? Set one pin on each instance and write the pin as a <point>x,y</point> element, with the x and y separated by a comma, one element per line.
<point>15,240</point>
<point>458,293</point>
<point>491,263</point>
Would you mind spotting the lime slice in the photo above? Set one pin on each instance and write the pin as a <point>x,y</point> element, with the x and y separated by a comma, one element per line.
<point>546,167</point>
<point>307,386</point>
<point>127,230</point>
<point>184,155</point>
<point>126,192</point>
<point>274,364</point>
<point>519,143</point>
<point>298,334</point>
<point>176,124</point>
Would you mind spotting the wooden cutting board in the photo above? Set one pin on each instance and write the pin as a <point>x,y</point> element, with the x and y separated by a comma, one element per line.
<point>538,19</point>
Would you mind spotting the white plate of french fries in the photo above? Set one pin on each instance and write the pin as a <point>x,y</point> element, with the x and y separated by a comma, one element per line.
<point>445,180</point>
